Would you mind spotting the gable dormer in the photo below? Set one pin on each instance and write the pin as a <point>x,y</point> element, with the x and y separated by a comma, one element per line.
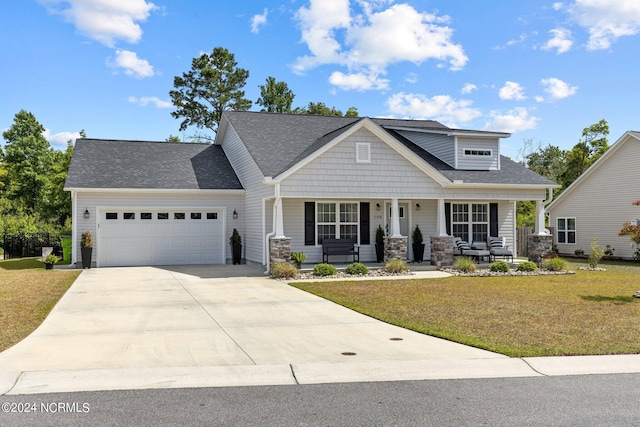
<point>460,149</point>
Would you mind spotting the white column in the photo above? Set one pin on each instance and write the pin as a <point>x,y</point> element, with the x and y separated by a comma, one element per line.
<point>539,230</point>
<point>395,219</point>
<point>278,216</point>
<point>442,220</point>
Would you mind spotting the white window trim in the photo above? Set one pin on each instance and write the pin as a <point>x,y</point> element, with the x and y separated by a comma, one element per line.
<point>363,152</point>
<point>470,221</point>
<point>489,151</point>
<point>567,231</point>
<point>337,222</point>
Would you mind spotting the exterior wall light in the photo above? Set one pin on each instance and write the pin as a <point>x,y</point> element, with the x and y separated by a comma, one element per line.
<point>87,215</point>
<point>378,207</point>
<point>235,214</point>
<point>417,206</point>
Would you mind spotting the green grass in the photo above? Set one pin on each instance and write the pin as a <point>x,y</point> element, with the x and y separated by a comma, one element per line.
<point>590,312</point>
<point>28,292</point>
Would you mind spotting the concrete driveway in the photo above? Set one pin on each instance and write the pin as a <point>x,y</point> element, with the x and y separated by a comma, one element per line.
<point>149,327</point>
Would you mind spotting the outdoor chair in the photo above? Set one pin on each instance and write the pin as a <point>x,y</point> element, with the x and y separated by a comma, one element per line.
<point>497,248</point>
<point>477,250</point>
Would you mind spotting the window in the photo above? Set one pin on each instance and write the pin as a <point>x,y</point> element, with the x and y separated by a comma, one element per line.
<point>336,224</point>
<point>129,215</point>
<point>212,215</point>
<point>145,215</point>
<point>567,230</point>
<point>470,220</point>
<point>363,152</point>
<point>178,215</point>
<point>111,215</point>
<point>196,215</point>
<point>400,211</point>
<point>468,152</point>
<point>163,215</point>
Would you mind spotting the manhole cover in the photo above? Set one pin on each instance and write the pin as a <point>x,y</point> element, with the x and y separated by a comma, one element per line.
<point>348,353</point>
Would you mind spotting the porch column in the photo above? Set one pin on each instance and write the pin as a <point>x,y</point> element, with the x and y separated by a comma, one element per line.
<point>539,229</point>
<point>442,220</point>
<point>278,219</point>
<point>395,219</point>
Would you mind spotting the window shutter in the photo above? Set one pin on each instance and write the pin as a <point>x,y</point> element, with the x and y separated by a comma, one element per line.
<point>365,230</point>
<point>493,220</point>
<point>309,223</point>
<point>447,216</point>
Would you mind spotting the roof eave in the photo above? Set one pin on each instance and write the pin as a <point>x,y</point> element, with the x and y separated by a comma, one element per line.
<point>156,190</point>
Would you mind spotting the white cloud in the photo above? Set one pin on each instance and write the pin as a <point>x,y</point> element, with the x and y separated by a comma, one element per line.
<point>557,6</point>
<point>411,78</point>
<point>515,120</point>
<point>367,43</point>
<point>511,90</point>
<point>60,139</point>
<point>606,20</point>
<point>468,88</point>
<point>146,100</point>
<point>258,20</point>
<point>132,65</point>
<point>104,20</point>
<point>557,88</point>
<point>358,81</point>
<point>561,41</point>
<point>442,108</point>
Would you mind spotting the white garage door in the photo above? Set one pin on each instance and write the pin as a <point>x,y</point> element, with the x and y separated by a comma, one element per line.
<point>160,237</point>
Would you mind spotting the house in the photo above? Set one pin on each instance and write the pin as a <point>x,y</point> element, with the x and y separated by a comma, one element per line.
<point>600,201</point>
<point>285,182</point>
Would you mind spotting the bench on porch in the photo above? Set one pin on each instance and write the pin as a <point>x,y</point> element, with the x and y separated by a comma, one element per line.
<point>340,247</point>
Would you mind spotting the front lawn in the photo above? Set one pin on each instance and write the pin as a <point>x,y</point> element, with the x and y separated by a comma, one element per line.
<point>590,312</point>
<point>28,292</point>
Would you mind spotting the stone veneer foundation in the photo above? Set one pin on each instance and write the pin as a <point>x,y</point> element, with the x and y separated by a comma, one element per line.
<point>395,247</point>
<point>441,251</point>
<point>279,250</point>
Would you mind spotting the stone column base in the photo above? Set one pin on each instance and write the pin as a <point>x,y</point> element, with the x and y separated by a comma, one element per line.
<point>538,245</point>
<point>395,247</point>
<point>279,250</point>
<point>442,251</point>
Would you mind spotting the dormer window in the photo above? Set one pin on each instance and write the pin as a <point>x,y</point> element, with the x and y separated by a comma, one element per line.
<point>474,152</point>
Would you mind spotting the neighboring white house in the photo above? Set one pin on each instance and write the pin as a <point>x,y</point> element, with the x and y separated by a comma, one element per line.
<point>600,201</point>
<point>296,176</point>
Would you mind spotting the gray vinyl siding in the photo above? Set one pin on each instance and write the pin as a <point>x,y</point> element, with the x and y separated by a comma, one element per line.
<point>335,174</point>
<point>441,146</point>
<point>603,202</point>
<point>252,213</point>
<point>478,162</point>
<point>141,199</point>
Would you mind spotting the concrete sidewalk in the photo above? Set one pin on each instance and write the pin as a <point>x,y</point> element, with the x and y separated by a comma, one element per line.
<point>147,327</point>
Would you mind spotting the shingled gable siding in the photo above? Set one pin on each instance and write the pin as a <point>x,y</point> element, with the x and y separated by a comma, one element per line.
<point>335,173</point>
<point>599,211</point>
<point>139,200</point>
<point>251,215</point>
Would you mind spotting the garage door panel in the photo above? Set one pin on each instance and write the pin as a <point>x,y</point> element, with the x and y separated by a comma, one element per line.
<point>160,241</point>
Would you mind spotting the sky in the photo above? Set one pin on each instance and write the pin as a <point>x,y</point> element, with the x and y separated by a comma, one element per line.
<point>540,70</point>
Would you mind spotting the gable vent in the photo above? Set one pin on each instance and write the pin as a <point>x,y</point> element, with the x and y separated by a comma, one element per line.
<point>363,152</point>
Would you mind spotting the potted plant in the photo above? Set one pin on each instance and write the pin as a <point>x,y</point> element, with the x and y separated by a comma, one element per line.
<point>417,244</point>
<point>298,258</point>
<point>49,261</point>
<point>379,244</point>
<point>236,246</point>
<point>86,247</point>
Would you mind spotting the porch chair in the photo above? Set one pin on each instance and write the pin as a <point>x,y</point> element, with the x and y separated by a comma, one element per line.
<point>477,251</point>
<point>497,248</point>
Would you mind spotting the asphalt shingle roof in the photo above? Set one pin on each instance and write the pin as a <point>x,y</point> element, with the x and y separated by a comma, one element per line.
<point>103,163</point>
<point>278,141</point>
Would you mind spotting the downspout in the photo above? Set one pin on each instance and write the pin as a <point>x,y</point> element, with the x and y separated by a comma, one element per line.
<point>276,199</point>
<point>268,236</point>
<point>74,226</point>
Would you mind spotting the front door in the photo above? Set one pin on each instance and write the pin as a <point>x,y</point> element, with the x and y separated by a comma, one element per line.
<point>403,208</point>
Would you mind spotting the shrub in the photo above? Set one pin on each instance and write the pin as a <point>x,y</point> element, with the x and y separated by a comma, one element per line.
<point>578,252</point>
<point>395,266</point>
<point>235,238</point>
<point>464,264</point>
<point>554,264</point>
<point>499,267</point>
<point>283,270</point>
<point>86,241</point>
<point>51,259</point>
<point>298,257</point>
<point>417,236</point>
<point>324,270</point>
<point>379,235</point>
<point>527,266</point>
<point>356,268</point>
<point>596,253</point>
